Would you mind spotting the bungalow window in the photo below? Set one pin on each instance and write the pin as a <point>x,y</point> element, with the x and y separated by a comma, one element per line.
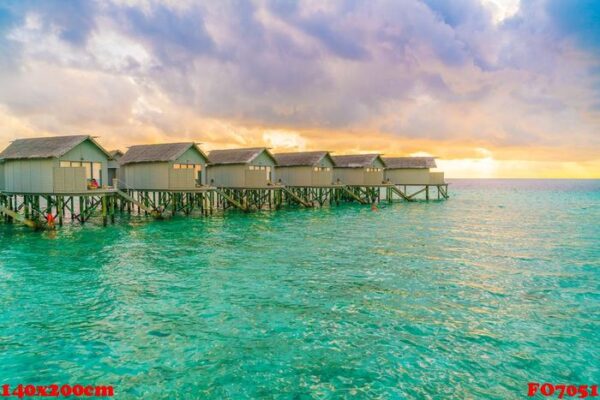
<point>88,170</point>
<point>196,167</point>
<point>93,170</point>
<point>188,166</point>
<point>97,172</point>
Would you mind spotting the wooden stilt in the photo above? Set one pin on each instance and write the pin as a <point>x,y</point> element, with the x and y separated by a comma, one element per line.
<point>60,206</point>
<point>104,211</point>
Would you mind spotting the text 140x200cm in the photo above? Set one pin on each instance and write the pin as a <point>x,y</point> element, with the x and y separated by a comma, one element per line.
<point>20,391</point>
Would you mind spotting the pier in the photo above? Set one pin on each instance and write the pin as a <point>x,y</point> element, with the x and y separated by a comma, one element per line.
<point>48,182</point>
<point>48,210</point>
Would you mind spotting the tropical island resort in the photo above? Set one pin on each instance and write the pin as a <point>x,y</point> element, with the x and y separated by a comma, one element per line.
<point>300,199</point>
<point>47,181</point>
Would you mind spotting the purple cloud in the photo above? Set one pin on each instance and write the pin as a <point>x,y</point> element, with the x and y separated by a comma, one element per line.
<point>404,67</point>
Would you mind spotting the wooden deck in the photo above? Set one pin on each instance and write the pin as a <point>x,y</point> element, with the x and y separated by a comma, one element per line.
<point>41,209</point>
<point>91,192</point>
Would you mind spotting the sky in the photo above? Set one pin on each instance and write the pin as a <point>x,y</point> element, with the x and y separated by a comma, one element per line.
<point>493,88</point>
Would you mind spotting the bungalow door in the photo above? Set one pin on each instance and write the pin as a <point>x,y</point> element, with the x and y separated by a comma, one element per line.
<point>198,173</point>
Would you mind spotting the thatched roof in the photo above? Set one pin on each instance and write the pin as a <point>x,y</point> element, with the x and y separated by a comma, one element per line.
<point>356,160</point>
<point>163,152</point>
<point>45,147</point>
<point>115,154</point>
<point>237,156</point>
<point>303,158</point>
<point>410,162</point>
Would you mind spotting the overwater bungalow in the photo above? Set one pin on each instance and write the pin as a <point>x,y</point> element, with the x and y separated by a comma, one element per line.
<point>412,171</point>
<point>241,168</point>
<point>166,166</point>
<point>1,175</point>
<point>113,165</point>
<point>56,164</point>
<point>359,169</point>
<point>302,169</point>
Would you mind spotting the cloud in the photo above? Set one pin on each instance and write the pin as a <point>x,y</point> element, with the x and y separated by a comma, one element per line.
<point>335,28</point>
<point>174,36</point>
<point>436,73</point>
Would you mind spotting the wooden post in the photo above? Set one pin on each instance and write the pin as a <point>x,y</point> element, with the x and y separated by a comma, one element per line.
<point>60,209</point>
<point>72,199</point>
<point>26,205</point>
<point>81,209</point>
<point>146,201</point>
<point>11,208</point>
<point>113,198</point>
<point>270,202</point>
<point>34,203</point>
<point>48,206</point>
<point>104,210</point>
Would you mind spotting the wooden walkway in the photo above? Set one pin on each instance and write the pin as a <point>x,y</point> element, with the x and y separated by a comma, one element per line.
<point>36,209</point>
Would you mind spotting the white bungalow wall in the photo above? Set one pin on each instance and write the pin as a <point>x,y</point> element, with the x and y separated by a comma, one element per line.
<point>146,176</point>
<point>349,176</point>
<point>89,152</point>
<point>233,175</point>
<point>1,176</point>
<point>256,177</point>
<point>360,176</point>
<point>192,156</point>
<point>324,176</point>
<point>69,180</point>
<point>408,176</point>
<point>243,175</point>
<point>29,176</point>
<point>294,176</point>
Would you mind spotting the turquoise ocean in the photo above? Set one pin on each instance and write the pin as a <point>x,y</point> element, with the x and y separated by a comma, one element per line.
<point>473,297</point>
